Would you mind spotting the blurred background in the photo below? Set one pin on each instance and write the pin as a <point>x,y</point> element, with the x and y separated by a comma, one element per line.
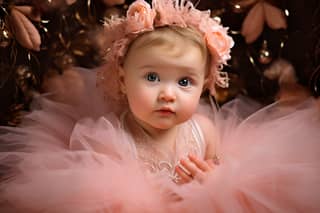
<point>276,48</point>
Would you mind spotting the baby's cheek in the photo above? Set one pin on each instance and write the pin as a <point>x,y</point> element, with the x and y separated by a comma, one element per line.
<point>188,107</point>
<point>141,99</point>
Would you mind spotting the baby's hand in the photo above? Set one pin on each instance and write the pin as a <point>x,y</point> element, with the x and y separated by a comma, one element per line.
<point>193,168</point>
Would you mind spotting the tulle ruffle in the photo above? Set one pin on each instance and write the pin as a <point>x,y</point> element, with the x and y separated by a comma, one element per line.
<point>63,160</point>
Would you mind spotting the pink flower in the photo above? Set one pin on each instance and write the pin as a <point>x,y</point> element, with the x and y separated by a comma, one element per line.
<point>140,17</point>
<point>219,43</point>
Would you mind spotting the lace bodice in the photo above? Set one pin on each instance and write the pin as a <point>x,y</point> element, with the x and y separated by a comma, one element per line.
<point>162,162</point>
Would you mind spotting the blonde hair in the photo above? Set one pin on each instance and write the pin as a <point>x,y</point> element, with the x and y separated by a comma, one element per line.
<point>162,36</point>
<point>166,37</point>
<point>164,15</point>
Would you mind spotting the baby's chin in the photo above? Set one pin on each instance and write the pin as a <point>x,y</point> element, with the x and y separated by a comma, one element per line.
<point>167,125</point>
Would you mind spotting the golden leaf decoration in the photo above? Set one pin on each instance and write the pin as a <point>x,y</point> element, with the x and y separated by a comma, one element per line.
<point>253,24</point>
<point>69,2</point>
<point>262,12</point>
<point>24,31</point>
<point>29,12</point>
<point>244,3</point>
<point>274,17</point>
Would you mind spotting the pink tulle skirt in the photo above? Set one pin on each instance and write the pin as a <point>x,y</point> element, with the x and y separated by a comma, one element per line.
<point>269,162</point>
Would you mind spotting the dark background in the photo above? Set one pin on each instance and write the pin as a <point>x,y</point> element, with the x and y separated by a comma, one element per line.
<point>66,40</point>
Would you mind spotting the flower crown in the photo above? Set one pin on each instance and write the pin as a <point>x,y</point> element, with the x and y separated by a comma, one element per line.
<point>141,17</point>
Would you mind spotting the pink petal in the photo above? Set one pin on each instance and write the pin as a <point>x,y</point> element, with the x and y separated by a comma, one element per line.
<point>274,17</point>
<point>244,3</point>
<point>69,2</point>
<point>253,24</point>
<point>29,12</point>
<point>24,31</point>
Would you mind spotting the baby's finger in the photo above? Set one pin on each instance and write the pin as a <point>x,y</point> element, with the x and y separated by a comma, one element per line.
<point>191,168</point>
<point>203,165</point>
<point>195,174</point>
<point>184,177</point>
<point>211,163</point>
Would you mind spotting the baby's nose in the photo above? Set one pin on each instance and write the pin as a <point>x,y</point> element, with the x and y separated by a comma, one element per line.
<point>167,94</point>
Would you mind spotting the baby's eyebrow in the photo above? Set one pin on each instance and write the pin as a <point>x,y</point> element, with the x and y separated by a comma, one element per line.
<point>185,70</point>
<point>147,66</point>
<point>190,71</point>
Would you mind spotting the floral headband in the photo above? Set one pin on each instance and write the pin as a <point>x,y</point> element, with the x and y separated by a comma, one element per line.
<point>141,17</point>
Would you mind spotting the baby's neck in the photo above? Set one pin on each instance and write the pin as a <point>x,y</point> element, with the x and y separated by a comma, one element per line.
<point>164,138</point>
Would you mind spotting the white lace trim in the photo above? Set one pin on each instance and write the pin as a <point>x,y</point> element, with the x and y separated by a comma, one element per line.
<point>189,140</point>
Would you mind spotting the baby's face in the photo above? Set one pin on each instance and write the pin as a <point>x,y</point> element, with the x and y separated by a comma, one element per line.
<point>163,84</point>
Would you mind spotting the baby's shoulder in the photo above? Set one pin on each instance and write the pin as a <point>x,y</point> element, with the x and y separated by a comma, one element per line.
<point>209,132</point>
<point>206,125</point>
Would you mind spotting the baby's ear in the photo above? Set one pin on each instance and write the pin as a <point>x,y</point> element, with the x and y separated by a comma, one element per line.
<point>206,84</point>
<point>122,80</point>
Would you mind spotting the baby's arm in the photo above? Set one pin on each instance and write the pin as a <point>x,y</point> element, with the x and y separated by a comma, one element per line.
<point>194,167</point>
<point>209,134</point>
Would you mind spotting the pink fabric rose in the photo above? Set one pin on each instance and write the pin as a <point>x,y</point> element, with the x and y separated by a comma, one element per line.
<point>143,17</point>
<point>219,44</point>
<point>140,17</point>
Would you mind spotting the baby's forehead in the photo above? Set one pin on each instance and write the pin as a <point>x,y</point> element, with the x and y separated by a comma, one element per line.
<point>163,42</point>
<point>166,57</point>
<point>170,38</point>
<point>168,46</point>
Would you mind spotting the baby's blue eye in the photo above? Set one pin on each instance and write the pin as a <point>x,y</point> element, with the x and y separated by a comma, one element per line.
<point>152,77</point>
<point>185,82</point>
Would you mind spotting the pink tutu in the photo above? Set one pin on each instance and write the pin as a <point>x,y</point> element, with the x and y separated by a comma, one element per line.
<point>75,158</point>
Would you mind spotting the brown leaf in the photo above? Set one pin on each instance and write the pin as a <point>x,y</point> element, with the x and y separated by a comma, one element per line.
<point>274,17</point>
<point>24,31</point>
<point>69,2</point>
<point>29,12</point>
<point>244,3</point>
<point>253,24</point>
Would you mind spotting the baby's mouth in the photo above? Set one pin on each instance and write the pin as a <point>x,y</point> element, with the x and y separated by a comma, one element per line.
<point>165,111</point>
